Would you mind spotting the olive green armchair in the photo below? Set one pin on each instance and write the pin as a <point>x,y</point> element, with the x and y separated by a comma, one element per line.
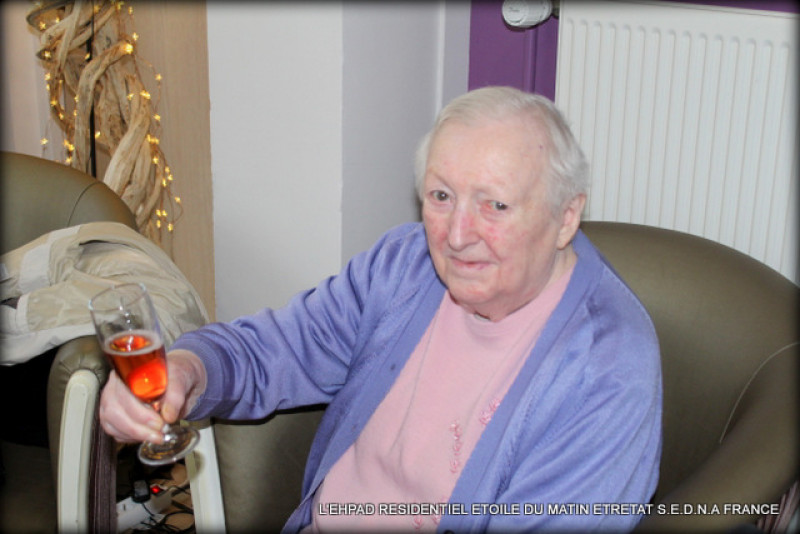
<point>39,196</point>
<point>47,268</point>
<point>727,326</point>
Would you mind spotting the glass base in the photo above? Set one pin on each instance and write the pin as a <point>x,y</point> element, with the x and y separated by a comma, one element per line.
<point>178,442</point>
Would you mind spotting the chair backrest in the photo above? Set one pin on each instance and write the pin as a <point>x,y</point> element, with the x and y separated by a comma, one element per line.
<point>38,196</point>
<point>720,316</point>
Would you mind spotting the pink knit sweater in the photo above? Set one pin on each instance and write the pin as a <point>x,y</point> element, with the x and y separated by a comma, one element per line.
<point>416,443</point>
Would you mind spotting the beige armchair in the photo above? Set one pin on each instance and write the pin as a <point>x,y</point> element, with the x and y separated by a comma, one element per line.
<point>728,332</point>
<point>40,196</point>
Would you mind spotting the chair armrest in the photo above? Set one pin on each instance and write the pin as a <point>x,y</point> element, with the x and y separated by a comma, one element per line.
<point>80,353</point>
<point>203,469</point>
<point>82,455</point>
<point>73,467</point>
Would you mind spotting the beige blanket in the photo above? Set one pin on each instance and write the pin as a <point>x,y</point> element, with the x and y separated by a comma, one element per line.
<point>45,286</point>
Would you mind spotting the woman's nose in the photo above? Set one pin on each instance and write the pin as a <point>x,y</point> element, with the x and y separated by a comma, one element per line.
<point>462,231</point>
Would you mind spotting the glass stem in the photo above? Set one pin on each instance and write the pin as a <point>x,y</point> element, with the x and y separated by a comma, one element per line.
<point>167,430</point>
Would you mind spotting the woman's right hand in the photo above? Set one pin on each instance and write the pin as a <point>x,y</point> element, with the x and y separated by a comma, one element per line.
<point>128,420</point>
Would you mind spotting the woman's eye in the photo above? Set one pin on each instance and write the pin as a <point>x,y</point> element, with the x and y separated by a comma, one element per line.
<point>498,206</point>
<point>439,196</point>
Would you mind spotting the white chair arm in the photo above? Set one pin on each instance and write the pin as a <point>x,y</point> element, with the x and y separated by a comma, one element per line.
<point>201,464</point>
<point>74,455</point>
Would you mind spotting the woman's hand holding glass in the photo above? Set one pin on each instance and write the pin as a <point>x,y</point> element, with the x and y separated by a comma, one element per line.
<point>128,420</point>
<point>130,335</point>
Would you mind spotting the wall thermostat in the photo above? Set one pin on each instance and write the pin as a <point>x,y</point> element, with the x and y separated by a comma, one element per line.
<point>526,13</point>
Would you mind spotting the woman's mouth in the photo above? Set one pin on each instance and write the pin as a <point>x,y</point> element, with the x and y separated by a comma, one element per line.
<point>468,264</point>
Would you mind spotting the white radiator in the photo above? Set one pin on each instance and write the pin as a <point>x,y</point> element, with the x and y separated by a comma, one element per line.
<point>688,115</point>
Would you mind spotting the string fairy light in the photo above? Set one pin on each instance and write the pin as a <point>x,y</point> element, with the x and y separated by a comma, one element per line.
<point>93,72</point>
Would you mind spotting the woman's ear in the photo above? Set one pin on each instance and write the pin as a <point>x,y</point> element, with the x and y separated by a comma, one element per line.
<point>570,220</point>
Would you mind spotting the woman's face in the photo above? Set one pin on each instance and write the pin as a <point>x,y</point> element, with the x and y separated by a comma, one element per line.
<point>493,238</point>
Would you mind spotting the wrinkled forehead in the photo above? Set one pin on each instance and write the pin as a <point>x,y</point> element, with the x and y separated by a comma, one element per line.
<point>509,152</point>
<point>510,135</point>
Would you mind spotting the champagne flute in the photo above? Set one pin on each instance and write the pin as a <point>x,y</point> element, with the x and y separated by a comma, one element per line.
<point>130,335</point>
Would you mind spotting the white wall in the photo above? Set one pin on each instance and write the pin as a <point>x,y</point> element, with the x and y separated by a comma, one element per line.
<point>401,60</point>
<point>315,113</point>
<point>275,89</point>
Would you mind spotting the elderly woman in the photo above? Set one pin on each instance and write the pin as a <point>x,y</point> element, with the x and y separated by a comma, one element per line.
<point>486,356</point>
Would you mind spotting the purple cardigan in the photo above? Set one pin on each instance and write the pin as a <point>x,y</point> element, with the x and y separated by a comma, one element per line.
<point>580,427</point>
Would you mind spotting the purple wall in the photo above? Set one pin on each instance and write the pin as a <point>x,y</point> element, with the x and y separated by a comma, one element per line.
<point>526,59</point>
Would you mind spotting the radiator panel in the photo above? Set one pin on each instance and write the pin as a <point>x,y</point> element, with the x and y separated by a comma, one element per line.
<point>688,115</point>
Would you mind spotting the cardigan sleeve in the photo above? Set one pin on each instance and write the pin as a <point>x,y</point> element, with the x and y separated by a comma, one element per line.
<point>300,354</point>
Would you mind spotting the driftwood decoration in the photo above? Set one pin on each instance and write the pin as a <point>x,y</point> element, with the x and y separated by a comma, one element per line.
<point>97,96</point>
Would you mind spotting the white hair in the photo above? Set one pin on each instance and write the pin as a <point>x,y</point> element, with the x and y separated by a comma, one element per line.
<point>568,170</point>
